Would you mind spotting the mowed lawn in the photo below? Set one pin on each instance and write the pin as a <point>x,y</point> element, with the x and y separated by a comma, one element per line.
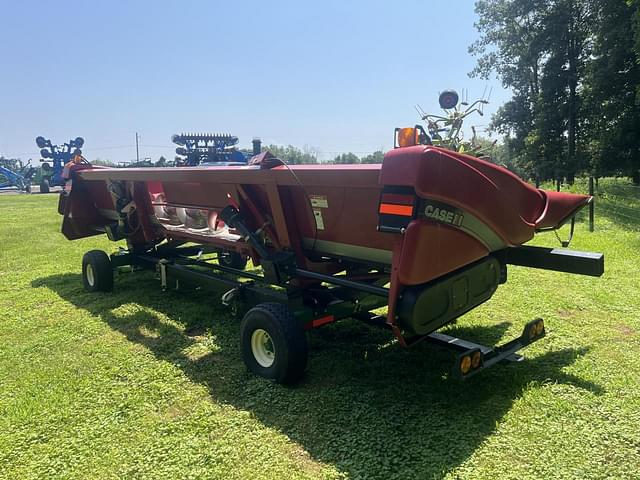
<point>145,384</point>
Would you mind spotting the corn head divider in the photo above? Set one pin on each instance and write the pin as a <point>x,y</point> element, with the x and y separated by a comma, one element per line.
<point>428,234</point>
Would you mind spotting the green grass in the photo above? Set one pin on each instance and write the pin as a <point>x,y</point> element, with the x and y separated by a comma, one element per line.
<point>145,384</point>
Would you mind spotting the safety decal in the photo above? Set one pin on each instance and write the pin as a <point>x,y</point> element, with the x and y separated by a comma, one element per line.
<point>319,201</point>
<point>319,221</point>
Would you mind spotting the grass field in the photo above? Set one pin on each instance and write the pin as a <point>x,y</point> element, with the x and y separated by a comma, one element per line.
<point>145,384</point>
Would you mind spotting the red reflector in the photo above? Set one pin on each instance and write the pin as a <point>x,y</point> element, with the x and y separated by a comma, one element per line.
<point>391,209</point>
<point>319,322</point>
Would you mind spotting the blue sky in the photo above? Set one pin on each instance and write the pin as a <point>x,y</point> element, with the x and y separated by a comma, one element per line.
<point>334,75</point>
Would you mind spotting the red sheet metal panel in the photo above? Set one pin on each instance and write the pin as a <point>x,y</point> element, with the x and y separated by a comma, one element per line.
<point>431,250</point>
<point>512,208</point>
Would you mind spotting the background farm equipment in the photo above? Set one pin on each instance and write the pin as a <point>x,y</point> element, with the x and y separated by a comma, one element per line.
<point>446,131</point>
<point>140,164</point>
<point>59,156</point>
<point>16,174</point>
<point>210,149</point>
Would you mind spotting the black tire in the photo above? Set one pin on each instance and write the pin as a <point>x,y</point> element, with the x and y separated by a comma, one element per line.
<point>448,99</point>
<point>44,186</point>
<point>232,260</point>
<point>97,272</point>
<point>287,338</point>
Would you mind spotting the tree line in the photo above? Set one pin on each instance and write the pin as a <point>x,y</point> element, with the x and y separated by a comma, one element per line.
<point>574,69</point>
<point>296,156</point>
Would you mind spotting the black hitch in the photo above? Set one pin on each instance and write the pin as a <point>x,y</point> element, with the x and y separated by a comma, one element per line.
<point>560,260</point>
<point>474,357</point>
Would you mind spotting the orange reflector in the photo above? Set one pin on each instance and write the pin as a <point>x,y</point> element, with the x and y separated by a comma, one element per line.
<point>406,137</point>
<point>475,359</point>
<point>391,209</point>
<point>465,365</point>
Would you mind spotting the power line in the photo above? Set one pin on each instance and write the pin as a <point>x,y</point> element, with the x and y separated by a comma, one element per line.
<point>113,147</point>
<point>319,153</point>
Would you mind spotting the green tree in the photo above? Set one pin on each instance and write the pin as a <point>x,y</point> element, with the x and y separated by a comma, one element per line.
<point>375,157</point>
<point>346,158</point>
<point>104,163</point>
<point>636,25</point>
<point>13,164</point>
<point>510,45</point>
<point>537,48</point>
<point>574,69</point>
<point>293,155</point>
<point>613,92</point>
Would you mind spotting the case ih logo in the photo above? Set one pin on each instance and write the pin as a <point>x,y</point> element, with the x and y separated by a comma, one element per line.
<point>444,214</point>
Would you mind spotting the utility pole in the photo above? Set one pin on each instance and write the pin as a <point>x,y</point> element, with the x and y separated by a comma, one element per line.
<point>137,152</point>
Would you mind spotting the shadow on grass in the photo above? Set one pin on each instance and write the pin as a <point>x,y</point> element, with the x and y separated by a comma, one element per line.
<point>369,407</point>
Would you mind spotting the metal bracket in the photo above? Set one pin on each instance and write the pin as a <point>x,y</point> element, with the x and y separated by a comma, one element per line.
<point>162,266</point>
<point>228,297</point>
<point>384,229</point>
<point>565,243</point>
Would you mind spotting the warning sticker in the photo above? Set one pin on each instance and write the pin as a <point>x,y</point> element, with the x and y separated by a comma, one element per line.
<point>319,201</point>
<point>319,222</point>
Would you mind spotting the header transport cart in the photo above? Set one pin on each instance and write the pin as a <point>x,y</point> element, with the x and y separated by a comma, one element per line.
<point>429,234</point>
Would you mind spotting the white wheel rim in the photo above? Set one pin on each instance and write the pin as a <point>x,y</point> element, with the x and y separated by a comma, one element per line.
<point>90,277</point>
<point>262,348</point>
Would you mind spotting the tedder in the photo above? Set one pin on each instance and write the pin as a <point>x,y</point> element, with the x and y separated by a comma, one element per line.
<point>446,130</point>
<point>428,234</point>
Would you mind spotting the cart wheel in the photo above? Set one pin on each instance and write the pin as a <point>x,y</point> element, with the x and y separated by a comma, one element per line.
<point>27,188</point>
<point>232,260</point>
<point>97,273</point>
<point>273,343</point>
<point>44,186</point>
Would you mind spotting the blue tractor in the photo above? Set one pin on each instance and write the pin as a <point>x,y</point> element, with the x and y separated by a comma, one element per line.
<point>16,175</point>
<point>59,156</point>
